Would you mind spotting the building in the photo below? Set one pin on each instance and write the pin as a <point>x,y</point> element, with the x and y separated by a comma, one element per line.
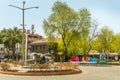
<point>42,46</point>
<point>39,46</point>
<point>32,38</point>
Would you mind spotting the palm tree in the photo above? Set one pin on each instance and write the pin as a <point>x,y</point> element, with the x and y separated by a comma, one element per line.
<point>10,37</point>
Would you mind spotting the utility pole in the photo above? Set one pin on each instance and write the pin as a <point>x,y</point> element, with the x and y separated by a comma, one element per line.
<point>23,25</point>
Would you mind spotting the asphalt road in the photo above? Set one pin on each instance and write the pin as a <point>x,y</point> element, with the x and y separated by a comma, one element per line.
<point>89,73</point>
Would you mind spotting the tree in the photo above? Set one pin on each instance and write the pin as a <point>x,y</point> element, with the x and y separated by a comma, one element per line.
<point>10,37</point>
<point>63,20</point>
<point>104,39</point>
<point>93,34</point>
<point>0,38</point>
<point>79,44</point>
<point>114,47</point>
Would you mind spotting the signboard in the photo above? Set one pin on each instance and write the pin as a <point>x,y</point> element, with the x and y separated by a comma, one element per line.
<point>17,49</point>
<point>102,58</point>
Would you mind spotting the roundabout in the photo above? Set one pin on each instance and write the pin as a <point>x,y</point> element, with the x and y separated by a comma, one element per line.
<point>58,68</point>
<point>88,73</point>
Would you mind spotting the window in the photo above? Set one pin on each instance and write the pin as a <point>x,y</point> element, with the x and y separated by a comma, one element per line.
<point>40,47</point>
<point>44,47</point>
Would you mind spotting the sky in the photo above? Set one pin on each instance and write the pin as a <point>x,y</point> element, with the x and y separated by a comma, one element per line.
<point>106,12</point>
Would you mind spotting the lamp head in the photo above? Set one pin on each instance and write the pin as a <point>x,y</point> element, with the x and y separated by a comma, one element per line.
<point>23,2</point>
<point>36,7</point>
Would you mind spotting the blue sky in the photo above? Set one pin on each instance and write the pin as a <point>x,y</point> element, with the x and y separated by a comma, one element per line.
<point>107,12</point>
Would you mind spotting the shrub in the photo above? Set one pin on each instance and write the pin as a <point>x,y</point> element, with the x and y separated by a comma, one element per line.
<point>18,63</point>
<point>5,66</point>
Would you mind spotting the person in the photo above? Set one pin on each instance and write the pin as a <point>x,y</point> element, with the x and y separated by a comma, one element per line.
<point>83,59</point>
<point>86,59</point>
<point>116,58</point>
<point>43,60</point>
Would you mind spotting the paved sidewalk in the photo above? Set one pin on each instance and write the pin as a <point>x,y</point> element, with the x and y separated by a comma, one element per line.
<point>89,73</point>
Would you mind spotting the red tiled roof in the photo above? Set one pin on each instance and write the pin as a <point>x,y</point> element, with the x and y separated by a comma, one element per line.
<point>34,35</point>
<point>41,40</point>
<point>44,40</point>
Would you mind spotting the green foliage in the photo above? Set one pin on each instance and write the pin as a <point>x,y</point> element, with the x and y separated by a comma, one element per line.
<point>10,37</point>
<point>1,38</point>
<point>114,47</point>
<point>5,66</point>
<point>103,40</point>
<point>77,33</point>
<point>67,24</point>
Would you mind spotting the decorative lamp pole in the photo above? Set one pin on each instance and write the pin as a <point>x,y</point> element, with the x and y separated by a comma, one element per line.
<point>23,23</point>
<point>60,54</point>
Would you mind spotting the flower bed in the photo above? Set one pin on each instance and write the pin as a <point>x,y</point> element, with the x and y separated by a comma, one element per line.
<point>113,63</point>
<point>45,69</point>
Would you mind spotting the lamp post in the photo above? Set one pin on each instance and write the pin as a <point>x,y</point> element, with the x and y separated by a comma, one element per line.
<point>60,54</point>
<point>26,43</point>
<point>23,24</point>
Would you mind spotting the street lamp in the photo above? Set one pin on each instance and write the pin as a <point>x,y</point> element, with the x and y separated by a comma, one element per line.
<point>23,24</point>
<point>60,54</point>
<point>26,43</point>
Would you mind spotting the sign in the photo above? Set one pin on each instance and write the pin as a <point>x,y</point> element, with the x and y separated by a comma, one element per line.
<point>102,58</point>
<point>17,49</point>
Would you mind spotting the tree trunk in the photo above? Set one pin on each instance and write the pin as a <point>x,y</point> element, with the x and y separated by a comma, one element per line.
<point>65,55</point>
<point>13,49</point>
<point>90,47</point>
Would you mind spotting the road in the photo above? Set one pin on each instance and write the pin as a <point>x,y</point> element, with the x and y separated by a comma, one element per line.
<point>89,73</point>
